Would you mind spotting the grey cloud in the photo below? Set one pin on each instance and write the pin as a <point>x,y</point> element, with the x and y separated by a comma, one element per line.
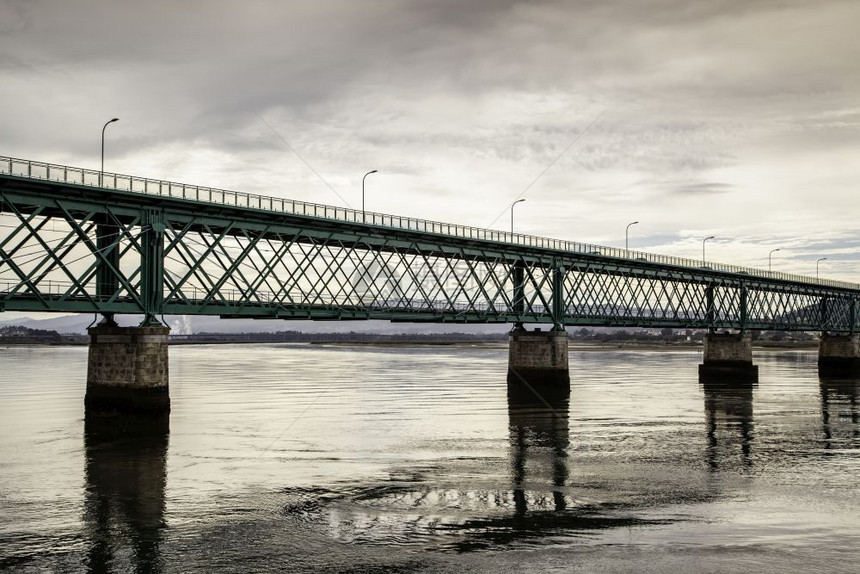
<point>14,16</point>
<point>829,245</point>
<point>323,46</point>
<point>700,188</point>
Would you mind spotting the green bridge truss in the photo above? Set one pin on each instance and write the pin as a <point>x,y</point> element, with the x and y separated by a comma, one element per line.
<point>75,240</point>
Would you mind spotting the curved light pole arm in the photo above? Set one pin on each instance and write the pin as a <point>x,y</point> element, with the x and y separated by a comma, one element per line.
<point>102,170</point>
<point>770,259</point>
<point>512,213</point>
<point>816,266</point>
<point>627,235</point>
<point>362,193</point>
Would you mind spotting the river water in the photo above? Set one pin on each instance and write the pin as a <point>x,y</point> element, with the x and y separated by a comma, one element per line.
<point>304,458</point>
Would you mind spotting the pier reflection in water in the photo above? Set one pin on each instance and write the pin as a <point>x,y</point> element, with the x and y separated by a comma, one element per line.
<point>469,504</point>
<point>540,432</point>
<point>840,414</point>
<point>124,506</point>
<point>729,424</point>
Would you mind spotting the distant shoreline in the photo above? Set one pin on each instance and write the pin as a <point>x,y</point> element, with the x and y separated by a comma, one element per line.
<point>412,342</point>
<point>573,345</point>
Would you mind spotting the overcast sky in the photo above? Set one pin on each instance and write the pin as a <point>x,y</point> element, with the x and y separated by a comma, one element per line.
<point>733,118</point>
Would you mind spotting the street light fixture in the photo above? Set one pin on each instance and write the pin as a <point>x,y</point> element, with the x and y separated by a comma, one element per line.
<point>627,235</point>
<point>512,213</point>
<point>362,194</point>
<point>769,260</point>
<point>816,266</point>
<point>104,127</point>
<point>703,248</point>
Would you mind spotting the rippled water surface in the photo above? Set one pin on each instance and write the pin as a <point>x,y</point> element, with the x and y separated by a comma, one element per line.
<point>397,459</point>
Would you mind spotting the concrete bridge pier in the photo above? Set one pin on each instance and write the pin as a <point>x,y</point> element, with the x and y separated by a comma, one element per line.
<point>838,354</point>
<point>728,359</point>
<point>537,364</point>
<point>127,371</point>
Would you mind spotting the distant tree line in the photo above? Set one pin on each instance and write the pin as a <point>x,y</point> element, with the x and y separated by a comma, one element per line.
<point>678,336</point>
<point>350,337</point>
<point>12,334</point>
<point>601,335</point>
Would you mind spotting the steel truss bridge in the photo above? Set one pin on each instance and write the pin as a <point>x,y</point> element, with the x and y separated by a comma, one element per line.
<point>77,240</point>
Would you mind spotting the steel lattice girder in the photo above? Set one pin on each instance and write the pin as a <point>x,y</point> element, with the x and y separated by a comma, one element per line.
<point>76,249</point>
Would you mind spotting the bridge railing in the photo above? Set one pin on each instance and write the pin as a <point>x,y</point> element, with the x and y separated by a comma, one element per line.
<point>244,299</point>
<point>53,289</point>
<point>114,181</point>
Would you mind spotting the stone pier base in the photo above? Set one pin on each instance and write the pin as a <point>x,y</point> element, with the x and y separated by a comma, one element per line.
<point>537,364</point>
<point>127,371</point>
<point>728,359</point>
<point>839,354</point>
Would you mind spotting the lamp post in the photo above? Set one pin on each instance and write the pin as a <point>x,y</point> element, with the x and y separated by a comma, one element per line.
<point>816,266</point>
<point>512,213</point>
<point>627,235</point>
<point>362,194</point>
<point>703,248</point>
<point>104,127</point>
<point>769,259</point>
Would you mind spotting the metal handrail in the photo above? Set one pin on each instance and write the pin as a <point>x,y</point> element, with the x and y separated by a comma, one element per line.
<point>81,176</point>
<point>267,298</point>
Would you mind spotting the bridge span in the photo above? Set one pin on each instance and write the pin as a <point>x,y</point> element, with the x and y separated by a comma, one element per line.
<point>78,240</point>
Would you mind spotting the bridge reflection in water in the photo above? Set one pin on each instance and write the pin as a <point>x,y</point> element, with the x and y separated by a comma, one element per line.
<point>539,431</point>
<point>729,424</point>
<point>840,412</point>
<point>125,484</point>
<point>472,504</point>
